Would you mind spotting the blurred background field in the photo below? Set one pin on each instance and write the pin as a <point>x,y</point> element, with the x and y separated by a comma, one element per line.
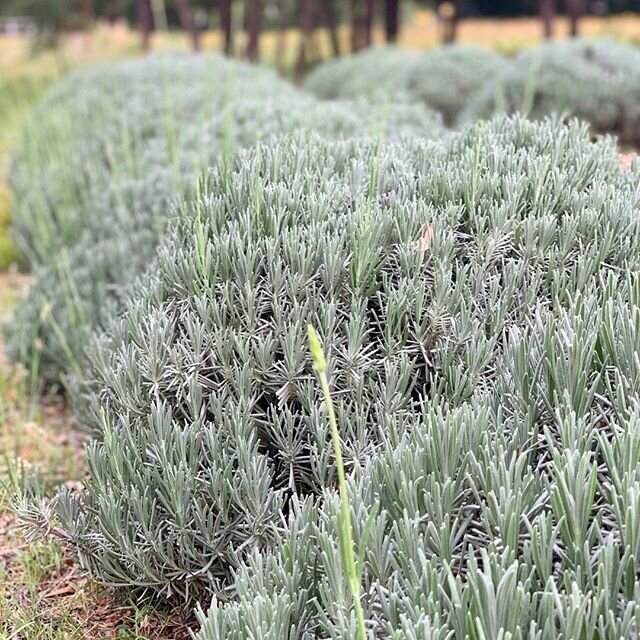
<point>421,30</point>
<point>28,68</point>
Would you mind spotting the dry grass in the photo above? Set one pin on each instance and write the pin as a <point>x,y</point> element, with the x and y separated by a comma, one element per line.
<point>514,34</point>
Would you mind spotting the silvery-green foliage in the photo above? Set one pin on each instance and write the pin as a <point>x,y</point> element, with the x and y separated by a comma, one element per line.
<point>434,561</point>
<point>505,504</point>
<point>108,154</point>
<point>448,77</point>
<point>381,72</point>
<point>435,274</point>
<point>444,79</point>
<point>595,80</point>
<point>103,124</point>
<point>115,122</point>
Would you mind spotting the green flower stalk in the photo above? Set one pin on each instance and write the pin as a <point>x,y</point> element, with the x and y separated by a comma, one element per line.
<point>344,524</point>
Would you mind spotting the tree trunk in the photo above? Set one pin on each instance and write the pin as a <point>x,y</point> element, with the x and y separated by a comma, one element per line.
<point>358,25</point>
<point>88,10</point>
<point>575,10</point>
<point>548,14</point>
<point>159,11</point>
<point>145,20</point>
<point>330,21</point>
<point>188,23</point>
<point>306,30</point>
<point>455,21</point>
<point>392,19</point>
<point>281,37</point>
<point>369,22</point>
<point>449,13</point>
<point>225,26</point>
<point>254,20</point>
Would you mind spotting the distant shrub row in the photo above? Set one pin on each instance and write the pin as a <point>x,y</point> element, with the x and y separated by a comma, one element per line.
<point>595,80</point>
<point>108,154</point>
<point>444,79</point>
